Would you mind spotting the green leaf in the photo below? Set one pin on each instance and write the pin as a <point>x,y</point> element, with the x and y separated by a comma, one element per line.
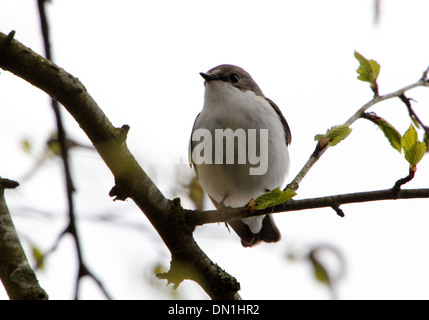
<point>338,133</point>
<point>319,137</point>
<point>391,134</point>
<point>415,153</point>
<point>335,134</point>
<point>271,198</point>
<point>414,150</point>
<point>409,138</point>
<point>368,69</point>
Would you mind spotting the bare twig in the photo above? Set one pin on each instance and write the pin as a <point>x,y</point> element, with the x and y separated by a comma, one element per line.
<point>377,11</point>
<point>398,184</point>
<point>412,113</point>
<point>10,36</point>
<point>338,210</point>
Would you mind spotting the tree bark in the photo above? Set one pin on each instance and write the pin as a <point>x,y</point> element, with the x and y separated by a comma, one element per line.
<point>15,272</point>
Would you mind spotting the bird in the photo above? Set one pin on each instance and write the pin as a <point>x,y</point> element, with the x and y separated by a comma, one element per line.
<point>235,110</point>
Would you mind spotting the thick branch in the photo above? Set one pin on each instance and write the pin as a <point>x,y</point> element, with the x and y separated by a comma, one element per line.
<point>131,181</point>
<point>211,216</point>
<point>15,272</point>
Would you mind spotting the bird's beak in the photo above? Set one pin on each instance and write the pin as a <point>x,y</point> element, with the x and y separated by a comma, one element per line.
<point>208,77</point>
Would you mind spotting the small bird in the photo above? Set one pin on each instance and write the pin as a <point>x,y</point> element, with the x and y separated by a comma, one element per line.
<point>235,111</point>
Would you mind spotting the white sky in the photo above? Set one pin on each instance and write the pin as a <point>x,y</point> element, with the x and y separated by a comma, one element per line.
<point>140,61</point>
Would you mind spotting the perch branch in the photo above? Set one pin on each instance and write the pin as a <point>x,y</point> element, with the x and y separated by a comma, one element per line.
<point>213,216</point>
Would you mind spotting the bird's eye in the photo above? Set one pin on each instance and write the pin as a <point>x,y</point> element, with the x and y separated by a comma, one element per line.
<point>233,78</point>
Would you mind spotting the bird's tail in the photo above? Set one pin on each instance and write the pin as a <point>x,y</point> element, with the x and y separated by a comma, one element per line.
<point>269,232</point>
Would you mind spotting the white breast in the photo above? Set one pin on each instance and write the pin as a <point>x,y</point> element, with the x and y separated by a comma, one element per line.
<point>228,107</point>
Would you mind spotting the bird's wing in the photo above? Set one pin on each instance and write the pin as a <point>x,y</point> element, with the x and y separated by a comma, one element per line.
<point>192,145</point>
<point>288,134</point>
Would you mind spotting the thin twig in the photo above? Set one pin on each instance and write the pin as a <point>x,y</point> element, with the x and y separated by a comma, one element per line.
<point>338,210</point>
<point>398,184</point>
<point>412,113</point>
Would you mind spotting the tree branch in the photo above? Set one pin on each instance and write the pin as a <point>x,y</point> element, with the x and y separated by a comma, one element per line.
<point>198,218</point>
<point>168,217</point>
<point>412,113</point>
<point>320,150</point>
<point>15,272</point>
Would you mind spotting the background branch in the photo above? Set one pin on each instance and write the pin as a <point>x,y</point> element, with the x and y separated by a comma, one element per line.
<point>62,140</point>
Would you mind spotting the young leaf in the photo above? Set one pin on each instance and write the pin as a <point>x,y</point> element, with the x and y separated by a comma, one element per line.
<point>319,137</point>
<point>335,134</point>
<point>414,150</point>
<point>415,153</point>
<point>368,71</point>
<point>409,138</point>
<point>391,134</point>
<point>271,198</point>
<point>338,133</point>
